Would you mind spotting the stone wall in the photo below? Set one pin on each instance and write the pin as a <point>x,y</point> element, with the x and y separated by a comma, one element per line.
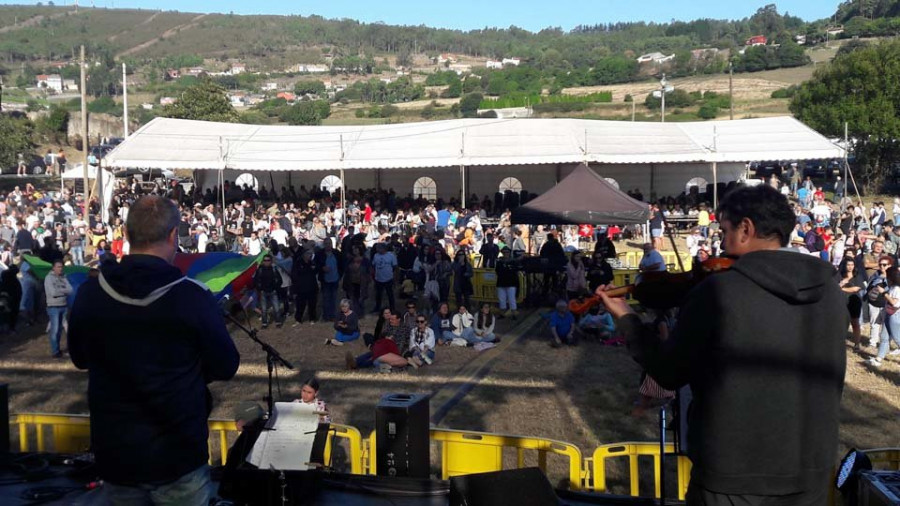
<point>99,126</point>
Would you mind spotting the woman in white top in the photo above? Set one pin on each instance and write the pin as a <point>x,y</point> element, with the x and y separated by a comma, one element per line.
<point>890,331</point>
<point>421,344</point>
<point>576,281</point>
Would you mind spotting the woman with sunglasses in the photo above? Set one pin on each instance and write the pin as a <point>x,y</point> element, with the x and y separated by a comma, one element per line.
<point>421,344</point>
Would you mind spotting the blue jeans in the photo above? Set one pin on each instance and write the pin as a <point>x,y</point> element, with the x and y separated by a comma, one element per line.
<point>193,488</point>
<point>469,335</point>
<point>329,300</point>
<point>346,338</point>
<point>267,300</point>
<point>57,315</point>
<point>365,360</point>
<point>77,253</point>
<point>889,332</point>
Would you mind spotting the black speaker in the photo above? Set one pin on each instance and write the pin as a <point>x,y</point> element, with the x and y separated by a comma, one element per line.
<point>402,433</point>
<point>522,487</point>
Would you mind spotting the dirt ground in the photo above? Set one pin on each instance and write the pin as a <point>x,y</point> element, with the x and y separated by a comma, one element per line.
<point>583,395</point>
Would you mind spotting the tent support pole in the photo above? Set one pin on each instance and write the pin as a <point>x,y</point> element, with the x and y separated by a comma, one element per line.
<point>715,185</point>
<point>462,185</point>
<point>343,194</point>
<point>558,173</point>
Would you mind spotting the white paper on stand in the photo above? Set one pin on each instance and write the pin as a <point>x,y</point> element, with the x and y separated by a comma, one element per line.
<point>286,442</point>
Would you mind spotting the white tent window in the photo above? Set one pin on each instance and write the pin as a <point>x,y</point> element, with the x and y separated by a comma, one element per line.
<point>247,179</point>
<point>511,184</point>
<point>612,182</point>
<point>699,182</point>
<point>425,187</point>
<point>330,184</point>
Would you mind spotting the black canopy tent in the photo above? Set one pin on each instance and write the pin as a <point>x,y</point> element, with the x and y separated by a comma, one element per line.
<point>582,198</point>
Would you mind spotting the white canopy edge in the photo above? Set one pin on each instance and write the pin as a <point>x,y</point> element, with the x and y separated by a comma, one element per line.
<point>185,144</point>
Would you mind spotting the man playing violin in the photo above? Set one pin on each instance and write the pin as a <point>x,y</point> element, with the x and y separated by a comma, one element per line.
<point>762,347</point>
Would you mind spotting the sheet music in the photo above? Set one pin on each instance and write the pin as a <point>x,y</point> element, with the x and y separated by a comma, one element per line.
<point>287,443</point>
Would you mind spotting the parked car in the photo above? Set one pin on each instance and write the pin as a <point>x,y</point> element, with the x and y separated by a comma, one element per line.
<point>766,169</point>
<point>35,164</point>
<point>101,151</point>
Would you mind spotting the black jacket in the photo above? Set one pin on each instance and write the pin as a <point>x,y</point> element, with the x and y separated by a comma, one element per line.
<point>762,347</point>
<point>148,368</point>
<point>266,279</point>
<point>304,276</point>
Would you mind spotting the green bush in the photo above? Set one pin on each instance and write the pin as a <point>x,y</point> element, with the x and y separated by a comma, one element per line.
<point>708,111</point>
<point>788,92</point>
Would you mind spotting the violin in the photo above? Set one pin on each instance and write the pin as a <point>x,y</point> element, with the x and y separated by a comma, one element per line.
<point>658,290</point>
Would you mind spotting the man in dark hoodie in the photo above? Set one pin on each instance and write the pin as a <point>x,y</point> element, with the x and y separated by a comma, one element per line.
<point>762,347</point>
<point>151,339</point>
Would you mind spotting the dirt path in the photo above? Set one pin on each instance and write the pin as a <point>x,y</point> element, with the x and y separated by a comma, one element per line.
<point>35,21</point>
<point>171,32</point>
<point>112,38</point>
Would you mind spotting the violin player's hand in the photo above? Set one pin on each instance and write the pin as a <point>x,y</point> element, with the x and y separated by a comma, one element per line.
<point>617,306</point>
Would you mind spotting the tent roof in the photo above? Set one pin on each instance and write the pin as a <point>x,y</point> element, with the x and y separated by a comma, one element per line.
<point>77,172</point>
<point>582,197</point>
<point>185,144</point>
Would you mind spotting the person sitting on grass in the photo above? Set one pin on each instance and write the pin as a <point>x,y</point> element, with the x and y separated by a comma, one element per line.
<point>562,325</point>
<point>462,325</point>
<point>421,344</point>
<point>483,328</point>
<point>442,324</point>
<point>597,323</point>
<point>385,356</point>
<point>346,327</point>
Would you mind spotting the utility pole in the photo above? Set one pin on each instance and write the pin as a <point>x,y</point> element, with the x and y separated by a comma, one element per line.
<point>84,137</point>
<point>731,89</point>
<point>125,98</point>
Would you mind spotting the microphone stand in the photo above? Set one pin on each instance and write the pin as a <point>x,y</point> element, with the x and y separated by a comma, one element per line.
<point>272,357</point>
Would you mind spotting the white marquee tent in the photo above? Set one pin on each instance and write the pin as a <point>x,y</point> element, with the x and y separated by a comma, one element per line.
<point>473,153</point>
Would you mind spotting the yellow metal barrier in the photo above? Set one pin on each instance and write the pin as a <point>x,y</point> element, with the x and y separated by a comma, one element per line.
<point>72,434</point>
<point>632,451</point>
<point>466,452</point>
<point>887,459</point>
<point>632,259</point>
<point>625,277</point>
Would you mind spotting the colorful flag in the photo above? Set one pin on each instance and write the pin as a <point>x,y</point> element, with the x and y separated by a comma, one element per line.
<point>224,273</point>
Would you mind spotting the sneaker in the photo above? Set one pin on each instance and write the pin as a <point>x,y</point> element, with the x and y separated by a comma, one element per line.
<point>894,353</point>
<point>328,342</point>
<point>295,325</point>
<point>312,322</point>
<point>385,368</point>
<point>335,342</point>
<point>874,362</point>
<point>349,361</point>
<point>265,325</point>
<point>427,359</point>
<point>412,362</point>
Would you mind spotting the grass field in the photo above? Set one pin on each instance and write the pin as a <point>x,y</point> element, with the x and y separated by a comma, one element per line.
<point>583,395</point>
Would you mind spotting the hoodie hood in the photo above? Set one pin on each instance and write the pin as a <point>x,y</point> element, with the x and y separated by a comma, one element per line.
<point>137,276</point>
<point>791,276</point>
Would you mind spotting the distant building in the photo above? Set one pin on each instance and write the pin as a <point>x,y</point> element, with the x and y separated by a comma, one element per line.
<point>800,39</point>
<point>69,85</point>
<point>172,74</point>
<point>50,82</point>
<point>195,71</point>
<point>460,68</point>
<point>835,31</point>
<point>290,97</point>
<point>511,61</point>
<point>656,57</point>
<point>446,58</point>
<point>147,106</point>
<point>757,40</point>
<point>269,86</point>
<point>386,80</point>
<point>164,101</point>
<point>238,68</point>
<point>493,64</point>
<point>312,68</point>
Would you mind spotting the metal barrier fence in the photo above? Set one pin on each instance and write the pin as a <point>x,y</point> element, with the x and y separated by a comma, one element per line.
<point>462,452</point>
<point>632,260</point>
<point>467,452</point>
<point>72,434</point>
<point>633,451</point>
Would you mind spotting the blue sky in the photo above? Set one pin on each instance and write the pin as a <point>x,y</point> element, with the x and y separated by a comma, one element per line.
<point>469,14</point>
